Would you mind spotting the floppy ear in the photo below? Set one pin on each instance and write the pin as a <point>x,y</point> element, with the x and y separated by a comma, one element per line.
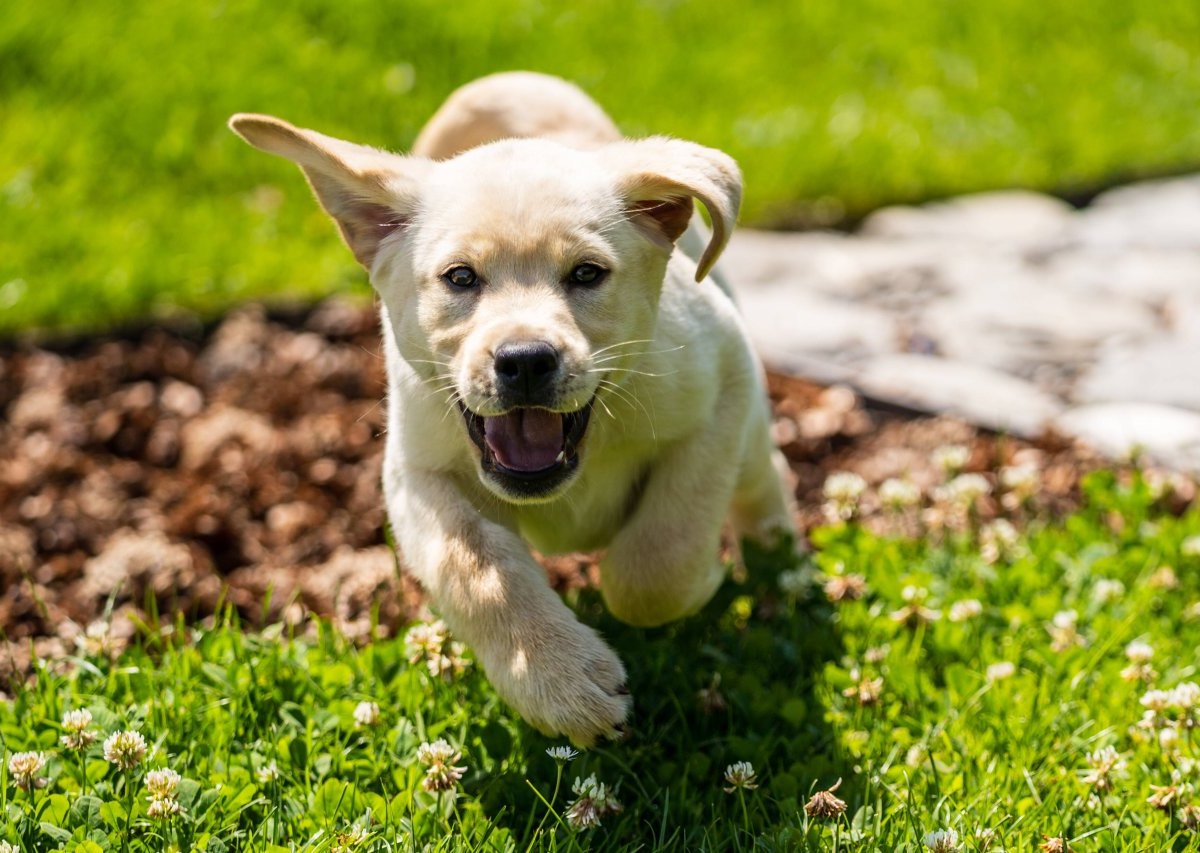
<point>369,193</point>
<point>660,177</point>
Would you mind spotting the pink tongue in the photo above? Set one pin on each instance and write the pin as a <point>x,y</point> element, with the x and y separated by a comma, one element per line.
<point>525,439</point>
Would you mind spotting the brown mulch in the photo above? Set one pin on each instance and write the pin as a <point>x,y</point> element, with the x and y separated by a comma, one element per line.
<point>193,469</point>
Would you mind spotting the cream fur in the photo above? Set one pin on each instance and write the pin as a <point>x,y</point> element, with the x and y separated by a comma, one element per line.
<point>521,176</point>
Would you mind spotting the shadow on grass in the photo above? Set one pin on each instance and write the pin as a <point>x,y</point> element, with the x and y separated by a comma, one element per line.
<point>737,682</point>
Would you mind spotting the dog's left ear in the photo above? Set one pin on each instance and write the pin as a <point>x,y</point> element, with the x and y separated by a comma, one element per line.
<point>660,177</point>
<point>368,192</point>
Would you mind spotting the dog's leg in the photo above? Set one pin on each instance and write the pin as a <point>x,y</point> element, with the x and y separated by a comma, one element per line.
<point>664,564</point>
<point>557,673</point>
<point>763,504</point>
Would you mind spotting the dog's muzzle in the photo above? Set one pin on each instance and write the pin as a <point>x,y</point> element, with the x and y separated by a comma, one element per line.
<point>528,451</point>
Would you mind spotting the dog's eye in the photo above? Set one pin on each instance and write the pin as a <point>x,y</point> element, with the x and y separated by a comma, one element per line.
<point>462,278</point>
<point>587,274</point>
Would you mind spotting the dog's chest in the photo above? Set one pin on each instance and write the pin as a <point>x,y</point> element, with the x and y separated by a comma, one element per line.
<point>590,514</point>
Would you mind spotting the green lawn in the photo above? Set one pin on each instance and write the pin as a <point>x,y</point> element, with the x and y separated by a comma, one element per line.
<point>936,714</point>
<point>122,195</point>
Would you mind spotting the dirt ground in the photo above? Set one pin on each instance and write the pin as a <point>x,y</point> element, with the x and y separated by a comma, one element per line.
<point>191,469</point>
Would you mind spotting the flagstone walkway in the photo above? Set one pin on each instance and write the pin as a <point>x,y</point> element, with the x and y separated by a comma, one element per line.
<point>1010,309</point>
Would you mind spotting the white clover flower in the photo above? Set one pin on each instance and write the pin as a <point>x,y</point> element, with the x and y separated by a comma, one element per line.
<point>914,612</point>
<point>439,757</point>
<point>1164,577</point>
<point>950,458</point>
<point>842,492</point>
<point>164,808</point>
<point>97,640</point>
<point>24,768</point>
<point>998,540</point>
<point>1000,671</point>
<point>916,755</point>
<point>877,654</point>
<point>366,715</point>
<point>1105,763</point>
<point>740,775</point>
<point>1021,480</point>
<point>1165,797</point>
<point>267,774</point>
<point>76,725</point>
<point>942,841</point>
<point>844,486</point>
<point>450,664</point>
<point>593,802</point>
<point>162,784</point>
<point>849,587</point>
<point>1139,652</point>
<point>77,720</point>
<point>562,753</point>
<point>425,639</point>
<point>1065,619</point>
<point>1186,696</point>
<point>965,489</point>
<point>5,847</point>
<point>1168,739</point>
<point>1190,547</point>
<point>985,838</point>
<point>1107,590</point>
<point>898,495</point>
<point>866,690</point>
<point>1064,631</point>
<point>966,609</point>
<point>125,749</point>
<point>1156,700</point>
<point>430,642</point>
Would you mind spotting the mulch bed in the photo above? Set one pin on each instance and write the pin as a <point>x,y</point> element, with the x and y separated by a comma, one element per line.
<point>191,469</point>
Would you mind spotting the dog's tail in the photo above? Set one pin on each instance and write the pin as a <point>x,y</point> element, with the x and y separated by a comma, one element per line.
<point>514,105</point>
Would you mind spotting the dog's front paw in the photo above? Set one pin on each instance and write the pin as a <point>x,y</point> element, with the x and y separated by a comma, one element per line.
<point>565,682</point>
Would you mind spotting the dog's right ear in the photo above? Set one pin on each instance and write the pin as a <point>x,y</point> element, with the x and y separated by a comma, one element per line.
<point>368,192</point>
<point>659,178</point>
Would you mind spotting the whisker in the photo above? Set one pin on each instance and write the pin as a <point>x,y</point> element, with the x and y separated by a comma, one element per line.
<point>627,395</point>
<point>451,407</point>
<point>438,362</point>
<point>629,370</point>
<point>606,408</point>
<point>622,344</point>
<point>635,354</point>
<point>374,406</point>
<point>451,387</point>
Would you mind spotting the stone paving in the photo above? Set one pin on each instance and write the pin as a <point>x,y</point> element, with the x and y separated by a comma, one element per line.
<point>1011,309</point>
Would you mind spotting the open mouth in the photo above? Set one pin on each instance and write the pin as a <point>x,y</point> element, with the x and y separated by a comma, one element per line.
<point>529,449</point>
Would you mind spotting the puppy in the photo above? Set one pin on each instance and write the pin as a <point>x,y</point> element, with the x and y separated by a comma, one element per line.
<point>565,371</point>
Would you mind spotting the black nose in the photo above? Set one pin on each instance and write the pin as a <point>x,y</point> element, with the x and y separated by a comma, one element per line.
<point>526,369</point>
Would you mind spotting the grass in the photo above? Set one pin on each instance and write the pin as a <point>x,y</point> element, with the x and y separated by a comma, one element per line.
<point>123,197</point>
<point>912,714</point>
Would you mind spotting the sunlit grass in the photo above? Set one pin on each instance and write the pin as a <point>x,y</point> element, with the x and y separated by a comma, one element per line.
<point>937,715</point>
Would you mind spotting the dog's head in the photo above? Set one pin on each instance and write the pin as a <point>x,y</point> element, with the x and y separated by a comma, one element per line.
<point>519,277</point>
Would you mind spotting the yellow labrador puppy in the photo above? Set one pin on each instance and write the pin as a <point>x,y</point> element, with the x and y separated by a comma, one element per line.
<point>563,371</point>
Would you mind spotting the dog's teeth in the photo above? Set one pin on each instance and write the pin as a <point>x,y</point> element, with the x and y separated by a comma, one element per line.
<point>561,455</point>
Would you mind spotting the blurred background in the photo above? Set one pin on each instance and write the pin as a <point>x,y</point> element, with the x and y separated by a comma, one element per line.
<point>124,198</point>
